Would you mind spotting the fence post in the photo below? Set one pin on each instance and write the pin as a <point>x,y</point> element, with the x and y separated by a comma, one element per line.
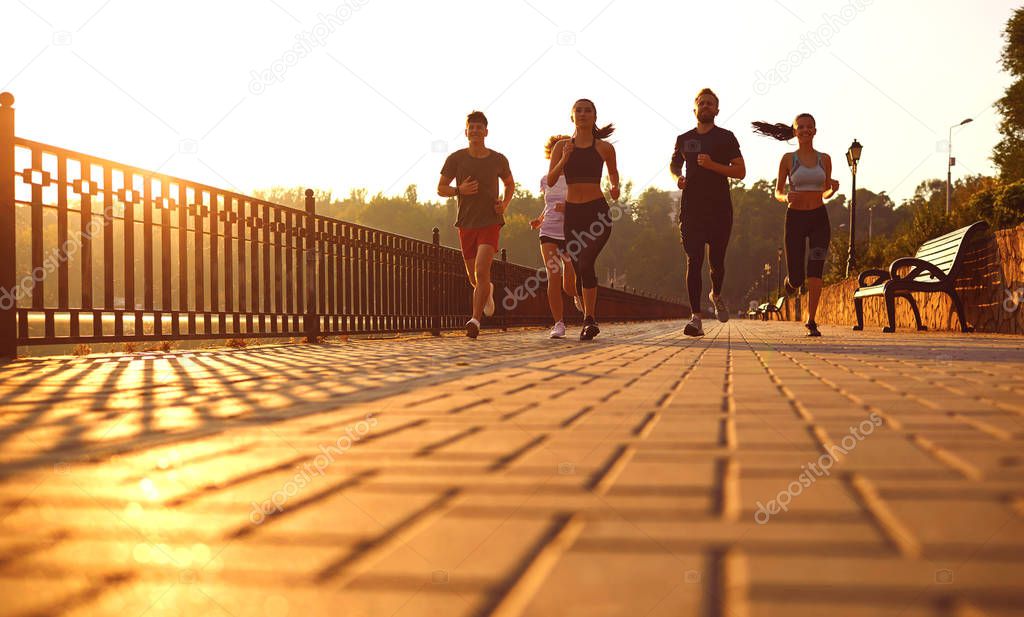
<point>311,319</point>
<point>8,253</point>
<point>434,284</point>
<point>503,285</point>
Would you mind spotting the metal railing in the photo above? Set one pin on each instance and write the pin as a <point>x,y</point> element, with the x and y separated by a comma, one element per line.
<point>95,251</point>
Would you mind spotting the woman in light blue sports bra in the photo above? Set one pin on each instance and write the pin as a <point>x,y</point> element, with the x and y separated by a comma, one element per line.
<point>809,175</point>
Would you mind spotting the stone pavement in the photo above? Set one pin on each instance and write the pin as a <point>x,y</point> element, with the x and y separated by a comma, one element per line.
<point>752,472</point>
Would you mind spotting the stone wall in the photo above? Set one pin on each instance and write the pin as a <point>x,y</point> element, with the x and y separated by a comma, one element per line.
<point>992,277</point>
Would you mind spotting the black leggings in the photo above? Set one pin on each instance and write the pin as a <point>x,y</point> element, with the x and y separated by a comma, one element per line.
<point>696,232</point>
<point>803,226</point>
<point>587,229</point>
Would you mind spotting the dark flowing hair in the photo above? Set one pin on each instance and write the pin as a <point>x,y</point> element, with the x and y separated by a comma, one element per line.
<point>554,139</point>
<point>780,131</point>
<point>600,133</point>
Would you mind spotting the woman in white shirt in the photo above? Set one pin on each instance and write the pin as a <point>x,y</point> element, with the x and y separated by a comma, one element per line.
<point>552,245</point>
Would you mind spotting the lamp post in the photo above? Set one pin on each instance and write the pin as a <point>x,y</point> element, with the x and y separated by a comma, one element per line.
<point>852,158</point>
<point>764,280</point>
<point>779,270</point>
<point>871,218</point>
<point>949,165</point>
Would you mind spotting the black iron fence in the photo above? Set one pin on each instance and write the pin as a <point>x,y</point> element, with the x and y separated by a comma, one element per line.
<point>94,251</point>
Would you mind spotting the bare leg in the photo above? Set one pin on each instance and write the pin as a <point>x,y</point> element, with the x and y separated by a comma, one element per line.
<point>590,301</point>
<point>471,270</point>
<point>813,296</point>
<point>553,263</point>
<point>568,277</point>
<point>484,257</point>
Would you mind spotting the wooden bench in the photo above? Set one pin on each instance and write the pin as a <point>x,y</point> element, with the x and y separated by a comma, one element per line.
<point>934,268</point>
<point>773,309</point>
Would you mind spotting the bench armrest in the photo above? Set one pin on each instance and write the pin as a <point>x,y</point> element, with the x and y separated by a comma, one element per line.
<point>917,267</point>
<point>881,277</point>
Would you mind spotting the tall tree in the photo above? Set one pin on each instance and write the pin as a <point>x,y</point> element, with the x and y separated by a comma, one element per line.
<point>1009,153</point>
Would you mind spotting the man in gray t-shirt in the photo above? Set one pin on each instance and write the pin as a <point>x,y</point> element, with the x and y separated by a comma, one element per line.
<point>477,210</point>
<point>476,171</point>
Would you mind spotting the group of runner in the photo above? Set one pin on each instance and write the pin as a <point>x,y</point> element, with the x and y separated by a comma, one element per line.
<point>575,208</point>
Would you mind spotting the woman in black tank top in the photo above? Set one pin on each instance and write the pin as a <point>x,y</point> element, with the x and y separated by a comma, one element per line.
<point>584,166</point>
<point>587,223</point>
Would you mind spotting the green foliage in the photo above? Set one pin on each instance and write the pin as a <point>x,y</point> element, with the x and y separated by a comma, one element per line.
<point>1013,52</point>
<point>1008,154</point>
<point>1001,204</point>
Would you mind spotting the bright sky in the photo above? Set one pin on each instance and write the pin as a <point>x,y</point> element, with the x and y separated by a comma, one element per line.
<point>377,95</point>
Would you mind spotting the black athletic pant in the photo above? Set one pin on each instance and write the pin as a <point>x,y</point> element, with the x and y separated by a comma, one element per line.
<point>587,229</point>
<point>805,227</point>
<point>696,232</point>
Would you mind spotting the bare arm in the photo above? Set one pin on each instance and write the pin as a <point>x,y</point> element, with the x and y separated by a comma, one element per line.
<point>831,185</point>
<point>537,222</point>
<point>676,164</point>
<point>559,156</point>
<point>607,152</point>
<point>445,188</point>
<point>510,189</point>
<point>469,186</point>
<point>780,183</point>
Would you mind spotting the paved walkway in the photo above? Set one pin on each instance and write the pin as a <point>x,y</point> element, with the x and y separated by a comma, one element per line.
<point>752,472</point>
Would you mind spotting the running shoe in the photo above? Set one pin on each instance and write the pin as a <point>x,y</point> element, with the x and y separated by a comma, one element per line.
<point>694,327</point>
<point>590,329</point>
<point>721,310</point>
<point>558,331</point>
<point>578,301</point>
<point>489,307</point>
<point>472,328</point>
<point>812,329</point>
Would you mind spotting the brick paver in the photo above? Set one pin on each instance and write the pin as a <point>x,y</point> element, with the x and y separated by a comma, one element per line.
<point>752,472</point>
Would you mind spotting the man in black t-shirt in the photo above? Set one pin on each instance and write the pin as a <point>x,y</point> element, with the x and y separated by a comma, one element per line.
<point>712,156</point>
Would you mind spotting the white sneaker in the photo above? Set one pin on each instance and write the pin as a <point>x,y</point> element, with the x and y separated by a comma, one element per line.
<point>694,327</point>
<point>558,331</point>
<point>721,310</point>
<point>578,301</point>
<point>489,307</point>
<point>472,328</point>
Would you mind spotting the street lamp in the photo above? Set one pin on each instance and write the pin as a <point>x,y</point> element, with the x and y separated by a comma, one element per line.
<point>852,158</point>
<point>764,280</point>
<point>779,270</point>
<point>949,165</point>
<point>871,219</point>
